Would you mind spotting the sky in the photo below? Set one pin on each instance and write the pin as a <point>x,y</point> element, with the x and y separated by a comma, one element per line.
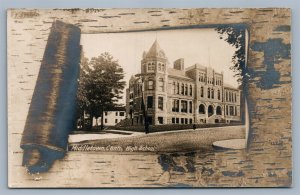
<point>202,46</point>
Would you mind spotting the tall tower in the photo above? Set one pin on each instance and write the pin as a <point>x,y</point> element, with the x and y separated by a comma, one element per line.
<point>154,73</point>
<point>154,60</point>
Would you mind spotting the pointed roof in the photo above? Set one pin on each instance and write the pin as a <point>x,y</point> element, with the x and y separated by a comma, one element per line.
<point>155,51</point>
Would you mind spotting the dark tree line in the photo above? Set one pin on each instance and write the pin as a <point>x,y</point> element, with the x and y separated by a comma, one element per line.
<point>100,87</point>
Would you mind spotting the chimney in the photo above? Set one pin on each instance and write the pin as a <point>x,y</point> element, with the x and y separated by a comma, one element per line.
<point>179,64</point>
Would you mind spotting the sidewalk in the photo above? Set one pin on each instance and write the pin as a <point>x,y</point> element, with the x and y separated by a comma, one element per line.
<point>108,134</point>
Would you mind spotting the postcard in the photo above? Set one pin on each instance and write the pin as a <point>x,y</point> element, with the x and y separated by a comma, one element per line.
<point>149,98</point>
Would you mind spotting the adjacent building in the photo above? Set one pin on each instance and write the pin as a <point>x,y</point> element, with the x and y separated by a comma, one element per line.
<point>179,95</point>
<point>111,117</point>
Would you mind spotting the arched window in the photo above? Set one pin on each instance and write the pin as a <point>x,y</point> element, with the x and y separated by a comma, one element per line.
<point>150,84</point>
<point>191,90</point>
<point>210,110</point>
<point>219,95</point>
<point>219,110</point>
<point>208,93</point>
<point>201,109</point>
<point>161,84</point>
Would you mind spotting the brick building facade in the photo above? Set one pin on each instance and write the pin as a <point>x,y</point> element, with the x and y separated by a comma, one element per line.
<point>177,95</point>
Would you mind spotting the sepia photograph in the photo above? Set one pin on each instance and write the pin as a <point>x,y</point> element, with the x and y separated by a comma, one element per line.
<point>149,98</point>
<point>162,82</point>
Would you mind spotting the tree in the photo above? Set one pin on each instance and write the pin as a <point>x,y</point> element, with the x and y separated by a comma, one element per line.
<point>82,101</point>
<point>236,36</point>
<point>100,87</point>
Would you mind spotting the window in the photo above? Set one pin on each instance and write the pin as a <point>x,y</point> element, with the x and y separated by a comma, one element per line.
<point>219,94</point>
<point>174,88</point>
<point>185,121</point>
<point>210,110</point>
<point>191,90</point>
<point>191,107</point>
<point>191,121</point>
<point>173,120</point>
<point>149,101</point>
<point>201,109</point>
<point>161,84</point>
<point>226,110</point>
<point>177,120</point>
<point>178,88</point>
<point>105,113</point>
<point>182,120</point>
<point>201,77</point>
<point>186,90</point>
<point>122,113</point>
<point>212,93</point>
<point>150,85</point>
<point>117,113</point>
<point>226,96</point>
<point>182,89</point>
<point>175,105</point>
<point>183,106</point>
<point>116,121</point>
<point>202,92</point>
<point>105,120</point>
<point>208,93</point>
<point>219,110</point>
<point>160,120</point>
<point>151,67</point>
<point>161,103</point>
<point>235,109</point>
<point>231,110</point>
<point>235,97</point>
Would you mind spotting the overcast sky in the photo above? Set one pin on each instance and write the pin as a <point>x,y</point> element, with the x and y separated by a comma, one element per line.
<point>201,46</point>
